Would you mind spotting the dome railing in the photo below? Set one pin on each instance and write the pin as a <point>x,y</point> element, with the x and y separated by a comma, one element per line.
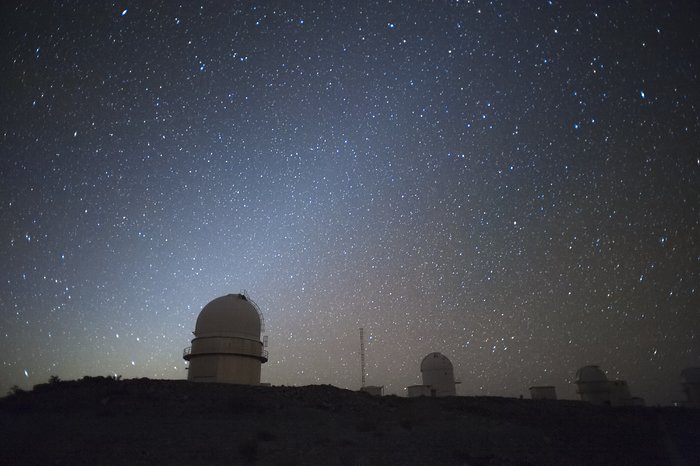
<point>257,309</point>
<point>188,351</point>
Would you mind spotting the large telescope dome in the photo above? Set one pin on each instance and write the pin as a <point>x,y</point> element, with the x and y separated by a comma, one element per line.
<point>232,315</point>
<point>589,374</point>
<point>226,347</point>
<point>436,362</point>
<point>438,375</point>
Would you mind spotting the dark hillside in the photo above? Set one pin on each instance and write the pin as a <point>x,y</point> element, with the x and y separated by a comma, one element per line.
<point>141,421</point>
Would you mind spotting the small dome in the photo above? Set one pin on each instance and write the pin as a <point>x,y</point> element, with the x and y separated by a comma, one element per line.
<point>232,315</point>
<point>589,374</point>
<point>691,375</point>
<point>435,362</point>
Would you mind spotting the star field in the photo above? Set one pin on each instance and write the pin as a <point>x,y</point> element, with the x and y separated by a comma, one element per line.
<point>513,184</point>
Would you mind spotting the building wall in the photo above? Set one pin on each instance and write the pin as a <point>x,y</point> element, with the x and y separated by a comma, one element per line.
<point>236,369</point>
<point>611,393</point>
<point>597,393</point>
<point>374,390</point>
<point>620,393</point>
<point>442,381</point>
<point>415,391</point>
<point>226,345</point>
<point>225,360</point>
<point>224,368</point>
<point>692,393</point>
<point>203,369</point>
<point>543,393</point>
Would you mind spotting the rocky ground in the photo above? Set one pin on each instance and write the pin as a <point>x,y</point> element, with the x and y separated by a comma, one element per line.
<point>141,421</point>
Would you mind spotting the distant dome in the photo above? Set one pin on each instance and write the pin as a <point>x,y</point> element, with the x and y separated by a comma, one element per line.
<point>435,362</point>
<point>691,375</point>
<point>232,315</point>
<point>590,374</point>
<point>438,376</point>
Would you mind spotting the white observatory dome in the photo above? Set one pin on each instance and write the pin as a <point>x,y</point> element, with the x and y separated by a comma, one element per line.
<point>590,374</point>
<point>232,315</point>
<point>436,362</point>
<point>438,375</point>
<point>226,347</point>
<point>593,385</point>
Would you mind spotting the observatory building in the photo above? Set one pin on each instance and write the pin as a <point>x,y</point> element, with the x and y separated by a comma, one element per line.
<point>594,387</point>
<point>438,377</point>
<point>374,390</point>
<point>543,392</point>
<point>690,378</point>
<point>226,347</point>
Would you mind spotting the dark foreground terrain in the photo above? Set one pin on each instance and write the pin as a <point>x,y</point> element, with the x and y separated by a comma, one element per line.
<point>141,421</point>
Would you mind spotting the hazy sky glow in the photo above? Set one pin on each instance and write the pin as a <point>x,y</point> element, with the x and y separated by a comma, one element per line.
<point>513,184</point>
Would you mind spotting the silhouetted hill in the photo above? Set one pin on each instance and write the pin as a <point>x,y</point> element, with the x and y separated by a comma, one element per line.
<point>141,421</point>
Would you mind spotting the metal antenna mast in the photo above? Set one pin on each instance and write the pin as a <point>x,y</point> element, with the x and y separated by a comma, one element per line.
<point>362,354</point>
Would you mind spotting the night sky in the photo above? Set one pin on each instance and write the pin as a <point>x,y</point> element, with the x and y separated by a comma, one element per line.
<point>513,184</point>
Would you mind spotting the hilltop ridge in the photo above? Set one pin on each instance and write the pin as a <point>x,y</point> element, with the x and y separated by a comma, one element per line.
<point>98,420</point>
